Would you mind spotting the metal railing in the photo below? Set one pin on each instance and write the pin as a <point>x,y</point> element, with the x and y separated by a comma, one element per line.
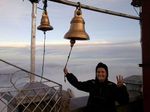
<point>17,93</point>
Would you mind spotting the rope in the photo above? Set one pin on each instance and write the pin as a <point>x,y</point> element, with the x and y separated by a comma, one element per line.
<point>68,57</point>
<point>72,42</point>
<point>43,56</point>
<point>67,62</point>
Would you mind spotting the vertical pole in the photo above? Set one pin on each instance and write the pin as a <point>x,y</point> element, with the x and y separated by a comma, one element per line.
<point>33,37</point>
<point>146,53</point>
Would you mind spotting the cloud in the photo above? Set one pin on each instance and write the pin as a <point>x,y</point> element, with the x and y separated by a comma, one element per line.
<point>121,59</point>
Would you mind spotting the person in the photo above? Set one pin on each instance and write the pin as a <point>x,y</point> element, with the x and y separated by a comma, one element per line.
<point>103,93</point>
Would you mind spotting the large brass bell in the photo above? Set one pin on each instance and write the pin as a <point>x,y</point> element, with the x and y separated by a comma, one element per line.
<point>45,24</point>
<point>77,29</point>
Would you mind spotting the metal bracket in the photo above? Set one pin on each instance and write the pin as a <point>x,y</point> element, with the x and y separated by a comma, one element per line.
<point>144,65</point>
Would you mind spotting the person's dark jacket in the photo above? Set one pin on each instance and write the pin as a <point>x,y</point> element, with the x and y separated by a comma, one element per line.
<point>102,96</point>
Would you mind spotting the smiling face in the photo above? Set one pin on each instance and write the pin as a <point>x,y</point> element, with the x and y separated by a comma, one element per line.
<point>101,74</point>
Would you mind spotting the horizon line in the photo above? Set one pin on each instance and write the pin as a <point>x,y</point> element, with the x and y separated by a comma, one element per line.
<point>38,44</point>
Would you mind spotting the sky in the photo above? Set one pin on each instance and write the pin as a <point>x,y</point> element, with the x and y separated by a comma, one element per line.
<point>113,40</point>
<point>103,28</point>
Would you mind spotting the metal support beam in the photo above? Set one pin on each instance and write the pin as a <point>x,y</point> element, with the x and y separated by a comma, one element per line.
<point>33,40</point>
<point>145,42</point>
<point>66,2</point>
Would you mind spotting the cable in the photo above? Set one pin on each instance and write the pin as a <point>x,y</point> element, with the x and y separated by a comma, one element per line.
<point>72,42</point>
<point>136,11</point>
<point>43,56</point>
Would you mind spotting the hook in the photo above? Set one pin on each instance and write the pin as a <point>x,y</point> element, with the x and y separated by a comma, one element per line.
<point>79,5</point>
<point>78,9</point>
<point>45,5</point>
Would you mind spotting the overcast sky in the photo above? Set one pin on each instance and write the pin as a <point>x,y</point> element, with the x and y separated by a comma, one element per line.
<point>103,28</point>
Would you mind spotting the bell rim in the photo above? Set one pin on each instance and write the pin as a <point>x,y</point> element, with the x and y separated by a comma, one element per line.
<point>76,38</point>
<point>45,28</point>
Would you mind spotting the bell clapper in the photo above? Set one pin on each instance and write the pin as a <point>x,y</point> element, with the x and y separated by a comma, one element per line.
<point>72,42</point>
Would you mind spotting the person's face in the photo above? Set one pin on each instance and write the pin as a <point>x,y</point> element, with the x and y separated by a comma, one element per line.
<point>101,74</point>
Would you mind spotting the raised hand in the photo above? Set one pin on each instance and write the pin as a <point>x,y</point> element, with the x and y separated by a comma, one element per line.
<point>120,80</point>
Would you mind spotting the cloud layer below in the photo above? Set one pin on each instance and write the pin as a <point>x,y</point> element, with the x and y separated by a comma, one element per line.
<point>121,58</point>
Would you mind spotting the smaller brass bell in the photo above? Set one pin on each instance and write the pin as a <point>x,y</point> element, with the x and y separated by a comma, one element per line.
<point>45,24</point>
<point>77,29</point>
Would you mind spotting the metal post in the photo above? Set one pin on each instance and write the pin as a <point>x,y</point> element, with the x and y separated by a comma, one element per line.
<point>146,52</point>
<point>33,38</point>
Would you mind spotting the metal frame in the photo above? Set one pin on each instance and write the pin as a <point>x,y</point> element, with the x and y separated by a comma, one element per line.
<point>70,3</point>
<point>31,96</point>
